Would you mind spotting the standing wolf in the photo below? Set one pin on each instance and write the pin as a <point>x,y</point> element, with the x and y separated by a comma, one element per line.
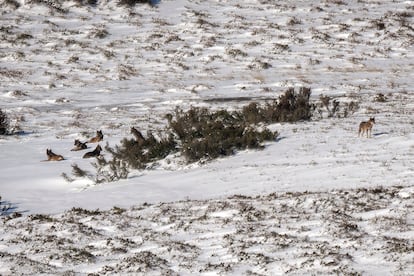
<point>366,127</point>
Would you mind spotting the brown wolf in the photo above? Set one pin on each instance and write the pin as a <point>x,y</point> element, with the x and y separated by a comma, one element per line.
<point>366,127</point>
<point>138,136</point>
<point>98,138</point>
<point>95,153</point>
<point>51,156</point>
<point>79,145</point>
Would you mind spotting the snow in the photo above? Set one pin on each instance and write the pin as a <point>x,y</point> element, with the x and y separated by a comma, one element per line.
<point>319,200</point>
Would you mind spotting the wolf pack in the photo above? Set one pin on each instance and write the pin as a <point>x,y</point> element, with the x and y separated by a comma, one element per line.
<point>365,128</point>
<point>79,145</point>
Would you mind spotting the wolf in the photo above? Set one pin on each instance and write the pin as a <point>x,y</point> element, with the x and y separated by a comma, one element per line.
<point>79,145</point>
<point>366,127</point>
<point>138,136</point>
<point>98,138</point>
<point>51,156</point>
<point>95,153</point>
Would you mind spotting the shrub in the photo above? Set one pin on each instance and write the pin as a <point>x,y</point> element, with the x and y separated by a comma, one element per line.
<point>292,106</point>
<point>106,171</point>
<point>86,2</point>
<point>7,211</point>
<point>289,107</point>
<point>208,135</point>
<point>52,5</point>
<point>236,53</point>
<point>253,113</point>
<point>4,123</point>
<point>381,98</point>
<point>110,171</point>
<point>131,3</point>
<point>4,207</point>
<point>334,108</point>
<point>10,3</point>
<point>125,72</point>
<point>139,155</point>
<point>98,32</point>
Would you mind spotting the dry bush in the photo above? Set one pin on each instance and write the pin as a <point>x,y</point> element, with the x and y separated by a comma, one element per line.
<point>86,2</point>
<point>98,32</point>
<point>381,98</point>
<point>294,21</point>
<point>335,108</point>
<point>131,3</point>
<point>331,106</point>
<point>4,207</point>
<point>110,171</point>
<point>126,71</point>
<point>7,5</point>
<point>7,211</point>
<point>236,53</point>
<point>11,74</point>
<point>4,123</point>
<point>52,5</point>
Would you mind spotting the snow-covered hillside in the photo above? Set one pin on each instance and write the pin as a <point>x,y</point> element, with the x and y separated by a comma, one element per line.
<point>318,200</point>
<point>362,231</point>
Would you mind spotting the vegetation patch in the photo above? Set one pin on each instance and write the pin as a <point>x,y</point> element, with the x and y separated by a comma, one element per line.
<point>334,108</point>
<point>290,107</point>
<point>4,207</point>
<point>7,211</point>
<point>201,134</point>
<point>208,135</point>
<point>4,123</point>
<point>131,3</point>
